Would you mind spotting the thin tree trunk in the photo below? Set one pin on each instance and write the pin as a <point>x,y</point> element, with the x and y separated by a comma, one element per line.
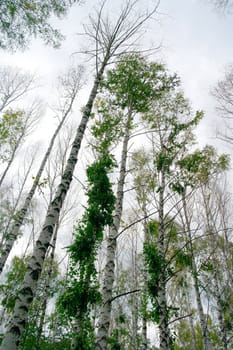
<point>145,279</point>
<point>109,270</point>
<point>211,224</point>
<point>220,316</point>
<point>144,332</point>
<point>15,207</point>
<point>21,214</point>
<point>47,286</point>
<point>164,333</point>
<point>202,318</point>
<point>134,298</point>
<point>194,338</point>
<point>25,297</point>
<point>11,158</point>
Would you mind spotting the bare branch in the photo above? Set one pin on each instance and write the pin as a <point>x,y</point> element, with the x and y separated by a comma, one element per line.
<point>123,294</point>
<point>14,84</point>
<point>112,39</point>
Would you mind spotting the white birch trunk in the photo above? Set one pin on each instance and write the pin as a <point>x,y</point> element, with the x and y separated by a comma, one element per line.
<point>17,323</point>
<point>221,320</point>
<point>21,214</point>
<point>109,270</point>
<point>164,333</point>
<point>47,286</point>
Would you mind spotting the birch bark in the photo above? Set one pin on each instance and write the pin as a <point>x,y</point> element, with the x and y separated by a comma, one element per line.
<point>47,286</point>
<point>164,334</point>
<point>109,270</point>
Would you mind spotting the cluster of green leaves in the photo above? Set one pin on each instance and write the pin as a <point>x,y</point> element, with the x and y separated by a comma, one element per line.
<point>10,290</point>
<point>101,202</point>
<point>14,279</point>
<point>82,289</point>
<point>176,260</point>
<point>185,336</point>
<point>199,166</point>
<point>11,126</point>
<point>155,266</point>
<point>135,82</point>
<point>21,19</point>
<point>167,112</point>
<point>107,129</point>
<point>176,140</point>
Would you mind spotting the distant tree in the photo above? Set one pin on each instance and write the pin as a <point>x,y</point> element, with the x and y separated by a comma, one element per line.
<point>172,122</point>
<point>223,5</point>
<point>14,85</point>
<point>132,85</point>
<point>15,126</point>
<point>70,84</point>
<point>223,93</point>
<point>22,19</point>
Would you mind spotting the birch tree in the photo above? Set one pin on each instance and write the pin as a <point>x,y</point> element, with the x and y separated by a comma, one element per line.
<point>15,126</point>
<point>12,196</point>
<point>223,93</point>
<point>144,185</point>
<point>172,121</point>
<point>71,84</point>
<point>133,84</point>
<point>216,262</point>
<point>109,39</point>
<point>196,169</point>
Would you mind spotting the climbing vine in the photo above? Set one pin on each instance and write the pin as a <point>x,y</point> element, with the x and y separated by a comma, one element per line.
<point>82,290</point>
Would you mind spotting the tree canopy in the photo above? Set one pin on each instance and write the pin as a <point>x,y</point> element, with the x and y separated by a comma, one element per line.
<point>20,20</point>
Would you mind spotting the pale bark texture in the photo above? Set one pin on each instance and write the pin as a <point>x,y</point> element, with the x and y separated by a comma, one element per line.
<point>164,333</point>
<point>145,280</point>
<point>109,270</point>
<point>21,214</point>
<point>134,299</point>
<point>47,285</point>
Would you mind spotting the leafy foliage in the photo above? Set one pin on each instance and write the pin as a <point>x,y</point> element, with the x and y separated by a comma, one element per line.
<point>11,127</point>
<point>199,166</point>
<point>14,279</point>
<point>135,82</point>
<point>101,202</point>
<point>21,19</point>
<point>155,266</point>
<point>81,289</point>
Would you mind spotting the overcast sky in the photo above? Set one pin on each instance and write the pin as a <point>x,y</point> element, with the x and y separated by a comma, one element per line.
<point>196,43</point>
